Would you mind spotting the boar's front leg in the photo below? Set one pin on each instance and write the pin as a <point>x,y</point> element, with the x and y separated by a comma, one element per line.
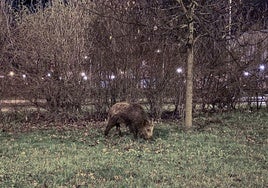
<point>112,122</point>
<point>134,130</point>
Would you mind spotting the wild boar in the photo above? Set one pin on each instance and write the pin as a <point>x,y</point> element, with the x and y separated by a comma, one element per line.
<point>131,115</point>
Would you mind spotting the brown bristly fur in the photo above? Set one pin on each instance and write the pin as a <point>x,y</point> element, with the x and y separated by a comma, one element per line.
<point>133,116</point>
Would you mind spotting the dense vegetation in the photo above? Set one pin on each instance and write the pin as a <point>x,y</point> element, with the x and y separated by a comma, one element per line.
<point>61,57</point>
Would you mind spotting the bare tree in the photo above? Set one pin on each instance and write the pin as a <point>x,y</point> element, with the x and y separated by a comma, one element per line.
<point>100,53</point>
<point>48,55</point>
<point>189,13</point>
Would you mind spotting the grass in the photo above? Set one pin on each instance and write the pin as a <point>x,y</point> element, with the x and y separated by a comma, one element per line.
<point>228,150</point>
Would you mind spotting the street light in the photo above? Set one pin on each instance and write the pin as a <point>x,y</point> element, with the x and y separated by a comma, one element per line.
<point>85,78</point>
<point>83,74</point>
<point>158,51</point>
<point>262,67</point>
<point>112,76</point>
<point>11,73</point>
<point>246,73</point>
<point>179,70</point>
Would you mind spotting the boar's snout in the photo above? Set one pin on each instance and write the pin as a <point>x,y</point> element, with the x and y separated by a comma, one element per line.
<point>147,131</point>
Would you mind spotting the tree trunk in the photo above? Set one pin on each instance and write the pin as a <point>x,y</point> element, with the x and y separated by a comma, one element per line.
<point>190,62</point>
<point>189,79</point>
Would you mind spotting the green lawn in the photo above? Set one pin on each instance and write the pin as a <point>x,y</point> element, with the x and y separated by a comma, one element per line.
<point>228,150</point>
